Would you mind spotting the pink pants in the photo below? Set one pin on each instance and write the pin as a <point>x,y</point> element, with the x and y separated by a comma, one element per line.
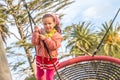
<point>45,75</point>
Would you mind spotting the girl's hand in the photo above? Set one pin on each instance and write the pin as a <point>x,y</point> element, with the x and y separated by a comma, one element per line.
<point>36,29</point>
<point>42,37</point>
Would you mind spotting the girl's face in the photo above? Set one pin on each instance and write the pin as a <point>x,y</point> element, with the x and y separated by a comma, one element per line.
<point>49,24</point>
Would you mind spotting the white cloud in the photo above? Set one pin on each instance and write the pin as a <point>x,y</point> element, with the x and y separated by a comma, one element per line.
<point>90,13</point>
<point>97,11</point>
<point>70,13</point>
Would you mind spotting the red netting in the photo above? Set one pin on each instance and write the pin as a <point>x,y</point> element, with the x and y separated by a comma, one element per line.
<point>90,68</point>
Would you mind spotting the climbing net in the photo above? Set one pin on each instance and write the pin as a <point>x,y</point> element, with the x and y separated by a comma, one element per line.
<point>90,68</point>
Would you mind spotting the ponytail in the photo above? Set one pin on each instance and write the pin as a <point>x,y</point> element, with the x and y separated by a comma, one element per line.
<point>58,29</point>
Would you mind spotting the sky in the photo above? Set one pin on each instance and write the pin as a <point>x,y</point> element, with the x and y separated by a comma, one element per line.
<point>95,11</point>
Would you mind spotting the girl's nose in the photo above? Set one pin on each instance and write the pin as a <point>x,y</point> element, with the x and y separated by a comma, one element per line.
<point>47,25</point>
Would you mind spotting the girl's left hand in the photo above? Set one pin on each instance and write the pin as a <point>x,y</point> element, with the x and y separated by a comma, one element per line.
<point>42,37</point>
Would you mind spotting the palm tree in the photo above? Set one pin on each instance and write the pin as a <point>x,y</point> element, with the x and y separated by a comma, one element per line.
<point>80,40</point>
<point>111,44</point>
<point>4,67</point>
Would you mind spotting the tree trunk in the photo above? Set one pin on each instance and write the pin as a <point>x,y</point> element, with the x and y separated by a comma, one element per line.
<point>23,37</point>
<point>4,69</point>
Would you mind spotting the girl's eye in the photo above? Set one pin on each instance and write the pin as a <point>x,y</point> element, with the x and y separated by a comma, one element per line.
<point>49,23</point>
<point>44,23</point>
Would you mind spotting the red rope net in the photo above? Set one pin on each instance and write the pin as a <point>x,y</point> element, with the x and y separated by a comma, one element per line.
<point>90,68</point>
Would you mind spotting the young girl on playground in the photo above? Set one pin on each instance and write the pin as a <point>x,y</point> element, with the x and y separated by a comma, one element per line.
<point>50,34</point>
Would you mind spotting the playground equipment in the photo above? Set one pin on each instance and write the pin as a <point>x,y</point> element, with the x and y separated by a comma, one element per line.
<point>90,68</point>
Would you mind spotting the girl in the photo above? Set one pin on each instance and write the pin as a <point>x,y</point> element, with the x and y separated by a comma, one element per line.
<point>52,37</point>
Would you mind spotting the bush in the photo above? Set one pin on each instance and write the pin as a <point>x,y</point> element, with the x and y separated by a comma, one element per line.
<point>30,78</point>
